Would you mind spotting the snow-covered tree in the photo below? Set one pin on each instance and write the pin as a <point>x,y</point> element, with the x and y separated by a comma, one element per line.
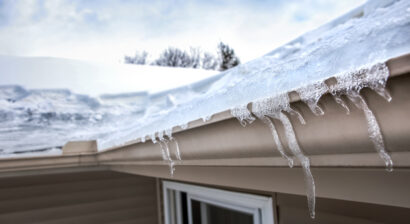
<point>209,61</point>
<point>228,57</point>
<point>195,54</point>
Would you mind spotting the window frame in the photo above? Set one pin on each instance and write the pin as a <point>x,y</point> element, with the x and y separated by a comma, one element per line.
<point>260,207</point>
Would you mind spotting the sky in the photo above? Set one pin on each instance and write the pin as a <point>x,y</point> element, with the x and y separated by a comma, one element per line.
<point>107,30</point>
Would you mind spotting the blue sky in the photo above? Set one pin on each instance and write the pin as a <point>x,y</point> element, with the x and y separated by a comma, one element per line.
<point>106,30</point>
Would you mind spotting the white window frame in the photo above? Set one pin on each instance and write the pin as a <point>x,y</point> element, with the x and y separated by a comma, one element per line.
<point>260,207</point>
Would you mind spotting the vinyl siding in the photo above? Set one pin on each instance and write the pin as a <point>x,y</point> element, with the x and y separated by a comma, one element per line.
<point>86,197</point>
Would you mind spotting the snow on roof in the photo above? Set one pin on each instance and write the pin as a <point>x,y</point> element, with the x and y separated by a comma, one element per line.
<point>375,32</point>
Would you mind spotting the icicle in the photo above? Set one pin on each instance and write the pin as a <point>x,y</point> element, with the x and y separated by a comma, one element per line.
<point>270,106</point>
<point>154,140</point>
<point>273,107</point>
<point>177,152</point>
<point>373,128</point>
<point>166,154</point>
<point>297,152</point>
<point>378,84</point>
<point>311,94</point>
<point>374,77</point>
<point>163,140</point>
<point>276,139</point>
<point>163,153</point>
<point>168,133</point>
<point>341,102</point>
<point>297,114</point>
<point>243,115</point>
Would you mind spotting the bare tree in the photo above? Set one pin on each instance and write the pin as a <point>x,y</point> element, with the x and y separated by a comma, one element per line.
<point>140,58</point>
<point>173,57</point>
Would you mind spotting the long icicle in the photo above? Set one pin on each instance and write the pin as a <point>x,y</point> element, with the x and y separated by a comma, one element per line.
<point>168,133</point>
<point>167,153</point>
<point>351,83</point>
<point>276,139</point>
<point>304,161</point>
<point>272,105</point>
<point>373,128</point>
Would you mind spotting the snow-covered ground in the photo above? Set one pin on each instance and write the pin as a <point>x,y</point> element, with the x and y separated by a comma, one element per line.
<point>39,119</point>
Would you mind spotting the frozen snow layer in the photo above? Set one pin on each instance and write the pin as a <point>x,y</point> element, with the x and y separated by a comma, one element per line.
<point>92,78</point>
<point>243,115</point>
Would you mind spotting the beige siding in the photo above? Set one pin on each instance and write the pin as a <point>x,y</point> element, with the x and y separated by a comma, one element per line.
<point>88,197</point>
<point>293,209</point>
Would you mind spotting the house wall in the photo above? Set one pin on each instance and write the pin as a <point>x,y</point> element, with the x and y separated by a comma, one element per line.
<point>293,209</point>
<point>82,197</point>
<point>343,195</point>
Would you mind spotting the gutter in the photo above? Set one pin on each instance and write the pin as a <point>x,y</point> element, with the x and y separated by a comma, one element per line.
<point>332,140</point>
<point>223,141</point>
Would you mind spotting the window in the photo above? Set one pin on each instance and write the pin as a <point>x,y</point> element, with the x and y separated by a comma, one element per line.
<point>190,204</point>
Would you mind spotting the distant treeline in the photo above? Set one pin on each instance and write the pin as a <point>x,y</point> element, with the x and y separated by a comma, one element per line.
<point>194,58</point>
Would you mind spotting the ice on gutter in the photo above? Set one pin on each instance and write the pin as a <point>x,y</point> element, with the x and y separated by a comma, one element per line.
<point>348,84</point>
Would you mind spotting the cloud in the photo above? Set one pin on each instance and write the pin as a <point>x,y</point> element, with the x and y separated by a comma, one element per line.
<point>106,30</point>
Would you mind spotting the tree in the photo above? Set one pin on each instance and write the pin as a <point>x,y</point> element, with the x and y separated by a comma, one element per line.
<point>140,58</point>
<point>194,58</point>
<point>228,57</point>
<point>173,57</point>
<point>195,55</point>
<point>209,61</point>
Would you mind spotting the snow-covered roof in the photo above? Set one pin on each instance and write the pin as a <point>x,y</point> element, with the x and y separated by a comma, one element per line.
<point>375,32</point>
